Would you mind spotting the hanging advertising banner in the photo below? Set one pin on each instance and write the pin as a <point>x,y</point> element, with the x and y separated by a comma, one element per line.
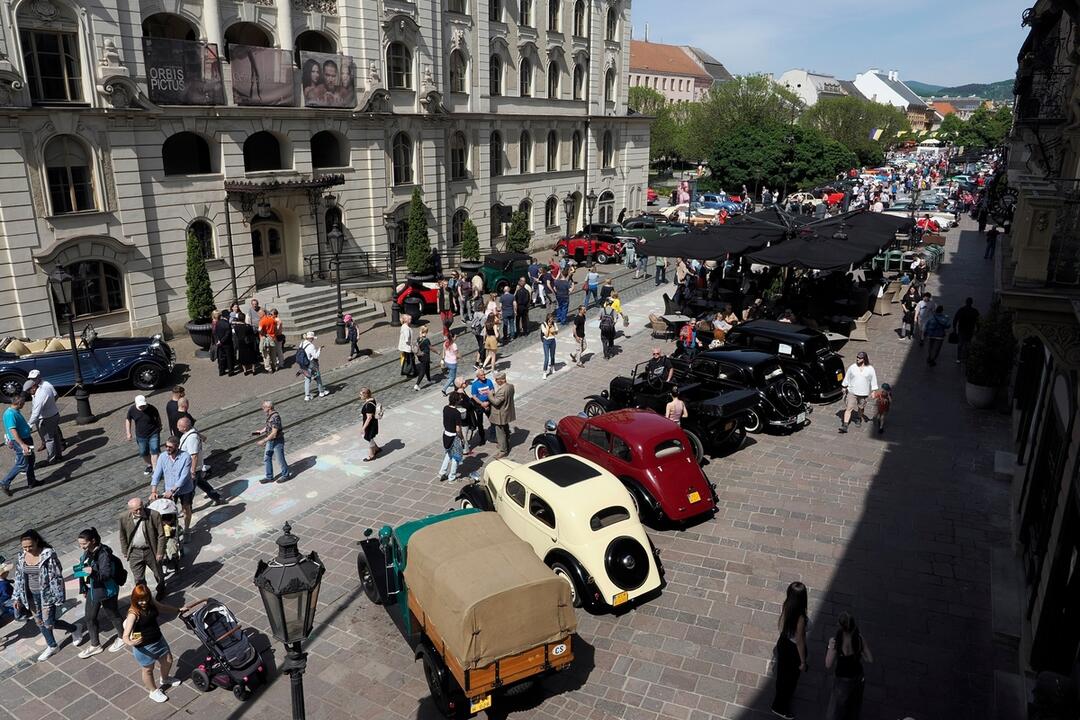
<point>328,80</point>
<point>262,76</point>
<point>183,72</point>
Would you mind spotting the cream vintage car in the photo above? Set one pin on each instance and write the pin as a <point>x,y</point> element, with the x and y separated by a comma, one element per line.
<point>579,519</point>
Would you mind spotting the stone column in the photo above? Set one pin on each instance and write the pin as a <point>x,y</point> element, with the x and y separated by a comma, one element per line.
<point>285,26</point>
<point>212,24</point>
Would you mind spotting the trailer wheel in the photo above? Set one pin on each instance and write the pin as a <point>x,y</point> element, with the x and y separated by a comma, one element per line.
<point>367,580</point>
<point>444,693</point>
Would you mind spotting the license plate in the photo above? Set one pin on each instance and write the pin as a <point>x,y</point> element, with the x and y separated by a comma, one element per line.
<point>801,417</point>
<point>482,704</point>
<point>694,497</point>
<point>840,377</point>
<point>620,598</point>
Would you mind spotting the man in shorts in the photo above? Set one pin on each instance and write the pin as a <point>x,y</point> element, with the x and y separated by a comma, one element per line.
<point>174,468</point>
<point>144,419</point>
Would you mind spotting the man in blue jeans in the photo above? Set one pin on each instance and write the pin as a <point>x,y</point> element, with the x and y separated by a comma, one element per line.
<point>562,298</point>
<point>145,420</point>
<point>17,435</point>
<point>274,442</point>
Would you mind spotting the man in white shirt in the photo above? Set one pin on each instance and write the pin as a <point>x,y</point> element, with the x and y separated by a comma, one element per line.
<point>313,351</point>
<point>859,382</point>
<point>923,310</point>
<point>405,347</point>
<point>45,416</point>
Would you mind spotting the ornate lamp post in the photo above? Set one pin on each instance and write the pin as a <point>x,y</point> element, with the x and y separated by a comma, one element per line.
<point>590,200</point>
<point>336,240</point>
<point>61,281</point>
<point>289,586</point>
<point>568,207</point>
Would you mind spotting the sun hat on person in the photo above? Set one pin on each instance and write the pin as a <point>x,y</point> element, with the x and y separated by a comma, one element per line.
<point>34,374</point>
<point>347,319</point>
<point>309,336</point>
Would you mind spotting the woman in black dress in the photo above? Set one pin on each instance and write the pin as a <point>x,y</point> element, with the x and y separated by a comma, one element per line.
<point>909,300</point>
<point>223,344</point>
<point>847,651</point>
<point>246,350</point>
<point>369,411</point>
<point>790,648</point>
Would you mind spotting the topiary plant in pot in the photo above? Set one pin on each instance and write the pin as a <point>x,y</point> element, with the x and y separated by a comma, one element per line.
<point>470,250</point>
<point>518,238</point>
<point>417,243</point>
<point>200,296</point>
<point>990,357</point>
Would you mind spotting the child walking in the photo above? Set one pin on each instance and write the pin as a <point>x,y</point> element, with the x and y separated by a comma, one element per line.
<point>882,398</point>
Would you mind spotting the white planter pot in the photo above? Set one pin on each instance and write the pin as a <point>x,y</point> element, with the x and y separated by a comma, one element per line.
<point>980,396</point>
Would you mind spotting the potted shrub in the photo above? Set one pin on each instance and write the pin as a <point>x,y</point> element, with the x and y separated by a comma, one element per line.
<point>200,297</point>
<point>417,244</point>
<point>470,250</point>
<point>990,358</point>
<point>517,239</point>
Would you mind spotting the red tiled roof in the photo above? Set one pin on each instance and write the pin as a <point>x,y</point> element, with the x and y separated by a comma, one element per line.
<point>943,108</point>
<point>663,59</point>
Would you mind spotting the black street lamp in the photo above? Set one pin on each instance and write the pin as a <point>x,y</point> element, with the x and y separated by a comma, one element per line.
<point>590,199</point>
<point>568,207</point>
<point>289,586</point>
<point>62,281</point>
<point>391,235</point>
<point>336,240</point>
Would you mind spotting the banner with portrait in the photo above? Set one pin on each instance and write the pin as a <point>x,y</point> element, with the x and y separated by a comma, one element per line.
<point>328,80</point>
<point>262,76</point>
<point>183,72</point>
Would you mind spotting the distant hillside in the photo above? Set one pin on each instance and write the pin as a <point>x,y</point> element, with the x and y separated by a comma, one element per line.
<point>991,91</point>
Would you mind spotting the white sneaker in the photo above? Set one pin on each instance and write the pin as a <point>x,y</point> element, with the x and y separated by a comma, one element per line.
<point>48,653</point>
<point>169,682</point>
<point>158,696</point>
<point>91,651</point>
<point>117,645</point>
<point>416,388</point>
<point>307,398</point>
<point>324,393</point>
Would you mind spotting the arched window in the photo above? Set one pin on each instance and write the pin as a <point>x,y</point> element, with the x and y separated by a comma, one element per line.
<point>495,10</point>
<point>185,153</point>
<point>612,25</point>
<point>170,26</point>
<point>495,76</point>
<point>246,33</point>
<point>553,81</point>
<point>553,15</point>
<point>525,206</point>
<point>459,71</point>
<point>575,212</point>
<point>607,207</point>
<point>496,152</point>
<point>312,41</point>
<point>97,288</point>
<point>609,86</point>
<point>551,212</point>
<point>552,151</point>
<point>579,81</point>
<point>51,56</point>
<point>69,169</point>
<point>262,151</point>
<point>526,77</point>
<point>204,233</point>
<point>457,227</point>
<point>399,66</point>
<point>326,151</point>
<point>608,156</point>
<point>575,151</point>
<point>457,6</point>
<point>497,228</point>
<point>459,153</point>
<point>525,152</point>
<point>579,18</point>
<point>402,158</point>
<point>525,18</point>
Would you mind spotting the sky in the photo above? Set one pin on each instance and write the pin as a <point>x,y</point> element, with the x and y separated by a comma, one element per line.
<point>942,42</point>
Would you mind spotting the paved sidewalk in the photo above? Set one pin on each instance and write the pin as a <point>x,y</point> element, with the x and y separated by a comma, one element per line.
<point>897,528</point>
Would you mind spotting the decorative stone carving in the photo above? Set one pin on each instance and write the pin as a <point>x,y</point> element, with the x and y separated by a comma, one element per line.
<point>610,61</point>
<point>45,10</point>
<point>458,40</point>
<point>323,7</point>
<point>373,76</point>
<point>11,83</point>
<point>428,85</point>
<point>1063,339</point>
<point>376,100</point>
<point>1042,220</point>
<point>114,82</point>
<point>110,55</point>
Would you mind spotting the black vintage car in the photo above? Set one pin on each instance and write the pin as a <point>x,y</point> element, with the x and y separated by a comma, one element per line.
<point>780,403</point>
<point>715,421</point>
<point>804,354</point>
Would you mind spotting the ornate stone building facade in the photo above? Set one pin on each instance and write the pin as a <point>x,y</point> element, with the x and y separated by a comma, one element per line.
<point>1039,281</point>
<point>260,125</point>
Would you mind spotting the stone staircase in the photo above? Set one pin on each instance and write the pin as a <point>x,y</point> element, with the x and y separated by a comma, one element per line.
<point>303,308</point>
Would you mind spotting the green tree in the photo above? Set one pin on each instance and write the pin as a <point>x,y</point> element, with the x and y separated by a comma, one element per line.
<point>665,131</point>
<point>952,127</point>
<point>417,244</point>
<point>517,239</point>
<point>778,155</point>
<point>748,100</point>
<point>200,297</point>
<point>470,241</point>
<point>850,121</point>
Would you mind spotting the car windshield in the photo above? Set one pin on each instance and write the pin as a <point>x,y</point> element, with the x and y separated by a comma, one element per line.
<point>608,517</point>
<point>668,448</point>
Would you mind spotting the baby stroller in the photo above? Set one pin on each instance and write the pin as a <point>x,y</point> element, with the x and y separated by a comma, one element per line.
<point>174,541</point>
<point>231,660</point>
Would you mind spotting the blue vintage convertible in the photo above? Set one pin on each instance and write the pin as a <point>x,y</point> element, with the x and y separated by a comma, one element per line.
<point>144,362</point>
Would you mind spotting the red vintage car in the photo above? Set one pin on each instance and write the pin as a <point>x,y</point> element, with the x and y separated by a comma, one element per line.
<point>601,247</point>
<point>650,454</point>
<point>428,293</point>
<point>651,196</point>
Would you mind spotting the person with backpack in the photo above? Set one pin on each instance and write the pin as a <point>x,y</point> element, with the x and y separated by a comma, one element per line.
<point>370,414</point>
<point>607,329</point>
<point>274,442</point>
<point>101,575</point>
<point>307,359</point>
<point>936,328</point>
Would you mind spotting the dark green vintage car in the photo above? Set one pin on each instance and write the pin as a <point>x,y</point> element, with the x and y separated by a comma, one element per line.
<point>502,269</point>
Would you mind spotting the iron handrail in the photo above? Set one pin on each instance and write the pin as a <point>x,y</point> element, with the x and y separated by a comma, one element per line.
<point>229,287</point>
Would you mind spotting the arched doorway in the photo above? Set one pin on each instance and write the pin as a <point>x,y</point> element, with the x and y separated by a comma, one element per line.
<point>268,250</point>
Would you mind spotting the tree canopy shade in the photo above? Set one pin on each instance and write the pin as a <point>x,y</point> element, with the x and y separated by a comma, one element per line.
<point>747,100</point>
<point>668,130</point>
<point>985,129</point>
<point>850,121</point>
<point>777,154</point>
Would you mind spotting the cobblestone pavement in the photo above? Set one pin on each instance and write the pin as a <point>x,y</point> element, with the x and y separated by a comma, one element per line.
<point>897,528</point>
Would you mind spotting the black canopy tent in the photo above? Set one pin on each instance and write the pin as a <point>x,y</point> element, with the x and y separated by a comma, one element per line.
<point>835,243</point>
<point>737,236</point>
